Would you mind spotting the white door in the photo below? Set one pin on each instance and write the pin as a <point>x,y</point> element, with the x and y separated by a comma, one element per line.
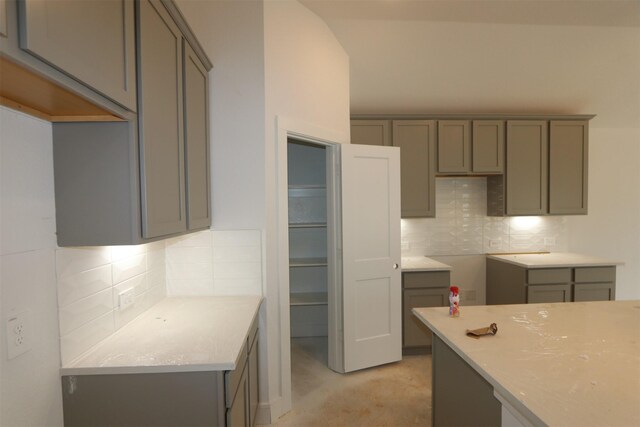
<point>371,256</point>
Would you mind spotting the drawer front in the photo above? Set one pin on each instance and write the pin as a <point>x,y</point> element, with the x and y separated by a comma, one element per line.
<point>595,274</point>
<point>233,378</point>
<point>549,275</point>
<point>548,293</point>
<point>594,292</point>
<point>426,279</point>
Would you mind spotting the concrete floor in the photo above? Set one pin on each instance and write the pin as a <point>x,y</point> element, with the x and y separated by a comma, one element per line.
<point>398,394</point>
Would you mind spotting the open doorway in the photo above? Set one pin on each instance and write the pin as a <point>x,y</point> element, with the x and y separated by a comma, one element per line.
<point>312,263</point>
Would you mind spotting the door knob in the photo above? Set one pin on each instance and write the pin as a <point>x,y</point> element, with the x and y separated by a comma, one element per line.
<point>395,266</point>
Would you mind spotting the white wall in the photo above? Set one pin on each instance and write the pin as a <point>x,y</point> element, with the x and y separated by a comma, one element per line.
<point>271,59</point>
<point>612,228</point>
<point>30,392</point>
<point>306,81</point>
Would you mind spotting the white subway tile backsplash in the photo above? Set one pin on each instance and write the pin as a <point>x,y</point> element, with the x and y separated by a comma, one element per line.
<point>192,270</point>
<point>86,336</point>
<point>236,238</point>
<point>190,287</point>
<point>80,285</point>
<point>76,260</point>
<point>180,254</point>
<point>126,268</point>
<point>238,254</point>
<point>84,310</point>
<point>461,226</point>
<point>199,239</point>
<point>237,270</point>
<point>238,286</point>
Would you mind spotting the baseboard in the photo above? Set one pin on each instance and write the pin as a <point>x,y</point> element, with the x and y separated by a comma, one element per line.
<point>268,413</point>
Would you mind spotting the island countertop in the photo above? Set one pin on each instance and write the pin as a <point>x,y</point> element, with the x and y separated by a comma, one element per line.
<point>422,263</point>
<point>554,260</point>
<point>556,364</point>
<point>179,334</point>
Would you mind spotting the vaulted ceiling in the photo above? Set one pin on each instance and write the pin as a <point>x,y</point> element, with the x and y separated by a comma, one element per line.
<point>512,56</point>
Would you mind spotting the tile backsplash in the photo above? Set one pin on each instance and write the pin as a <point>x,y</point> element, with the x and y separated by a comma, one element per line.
<point>461,226</point>
<point>215,262</point>
<point>90,280</point>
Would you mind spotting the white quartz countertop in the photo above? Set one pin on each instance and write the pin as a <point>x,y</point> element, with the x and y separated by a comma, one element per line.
<point>555,259</point>
<point>422,263</point>
<point>179,334</point>
<point>563,364</point>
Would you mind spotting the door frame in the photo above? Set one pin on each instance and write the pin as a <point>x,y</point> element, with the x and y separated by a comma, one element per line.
<point>306,132</point>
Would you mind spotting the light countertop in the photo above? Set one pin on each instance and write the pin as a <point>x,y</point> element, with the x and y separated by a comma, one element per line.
<point>422,263</point>
<point>567,364</point>
<point>179,334</point>
<point>554,260</point>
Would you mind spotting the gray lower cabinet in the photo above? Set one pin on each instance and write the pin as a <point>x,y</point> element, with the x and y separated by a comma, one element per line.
<point>454,146</point>
<point>92,41</point>
<point>131,182</point>
<point>460,396</point>
<point>568,164</point>
<point>176,399</point>
<point>421,289</point>
<point>511,284</point>
<point>371,132</point>
<point>416,139</point>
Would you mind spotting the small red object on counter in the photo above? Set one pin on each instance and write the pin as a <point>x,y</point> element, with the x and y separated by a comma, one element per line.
<point>454,301</point>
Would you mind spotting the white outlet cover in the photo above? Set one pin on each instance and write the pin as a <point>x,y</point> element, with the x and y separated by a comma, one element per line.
<point>18,334</point>
<point>126,298</point>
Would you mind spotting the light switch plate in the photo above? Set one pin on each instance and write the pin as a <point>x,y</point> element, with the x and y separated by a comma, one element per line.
<point>18,334</point>
<point>126,298</point>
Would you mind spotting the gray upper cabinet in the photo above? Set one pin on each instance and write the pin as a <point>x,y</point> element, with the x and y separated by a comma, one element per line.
<point>526,174</point>
<point>454,146</point>
<point>161,121</point>
<point>488,147</point>
<point>91,41</point>
<point>196,137</point>
<point>371,132</point>
<point>131,182</point>
<point>3,18</point>
<point>568,163</point>
<point>416,139</point>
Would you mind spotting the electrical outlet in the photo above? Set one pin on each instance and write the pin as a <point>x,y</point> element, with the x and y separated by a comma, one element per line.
<point>18,334</point>
<point>127,298</point>
<point>549,241</point>
<point>495,243</point>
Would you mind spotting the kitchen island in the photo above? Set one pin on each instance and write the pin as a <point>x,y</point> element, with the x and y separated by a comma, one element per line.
<point>559,364</point>
<point>187,361</point>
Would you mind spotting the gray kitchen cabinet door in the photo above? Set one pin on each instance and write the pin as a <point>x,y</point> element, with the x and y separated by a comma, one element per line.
<point>488,147</point>
<point>3,18</point>
<point>371,132</point>
<point>416,139</point>
<point>91,41</point>
<point>454,146</point>
<point>526,163</point>
<point>196,141</point>
<point>548,293</point>
<point>568,164</point>
<point>161,124</point>
<point>238,414</point>
<point>415,333</point>
<point>594,291</point>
